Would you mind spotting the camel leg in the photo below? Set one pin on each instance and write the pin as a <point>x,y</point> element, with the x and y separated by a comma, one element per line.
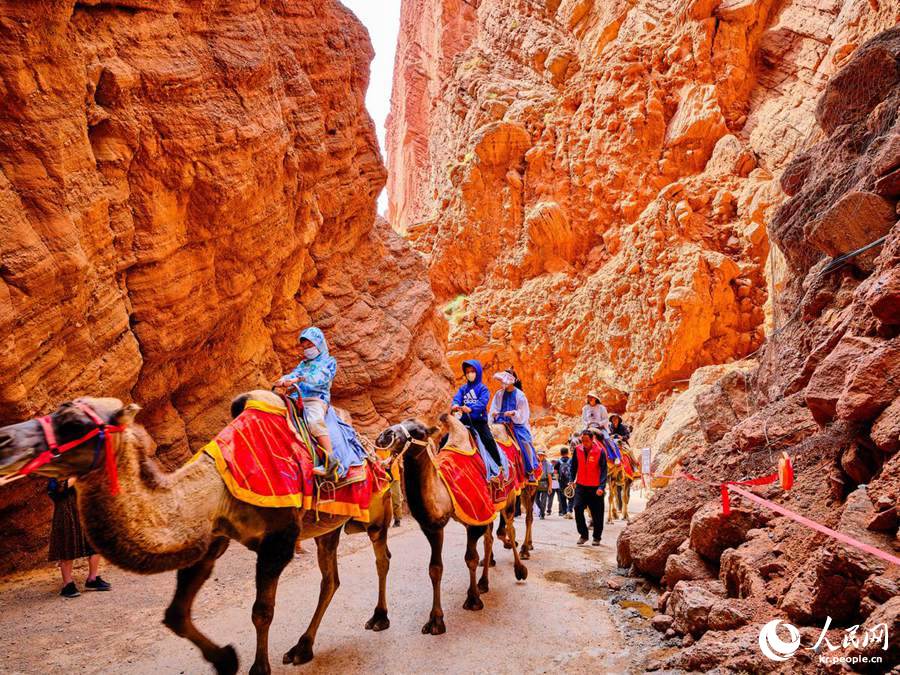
<point>509,514</point>
<point>473,534</point>
<point>435,625</point>
<point>326,552</point>
<point>626,495</point>
<point>483,584</point>
<point>612,502</point>
<point>178,614</point>
<point>379,535</point>
<point>502,535</point>
<point>275,552</point>
<point>527,505</point>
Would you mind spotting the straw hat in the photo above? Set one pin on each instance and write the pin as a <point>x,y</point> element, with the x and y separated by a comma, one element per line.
<point>594,395</point>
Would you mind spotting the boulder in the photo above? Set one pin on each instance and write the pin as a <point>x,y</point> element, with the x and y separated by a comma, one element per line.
<point>882,295</point>
<point>745,569</point>
<point>886,430</point>
<point>855,220</point>
<point>657,533</point>
<point>872,383</point>
<point>687,566</point>
<point>662,622</point>
<point>712,531</point>
<point>723,405</point>
<point>690,603</point>
<point>859,462</point>
<point>739,649</point>
<point>883,627</point>
<point>729,614</point>
<point>827,382</point>
<point>831,582</point>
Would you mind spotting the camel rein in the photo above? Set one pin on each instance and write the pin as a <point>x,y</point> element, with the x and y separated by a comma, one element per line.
<point>408,442</point>
<point>104,447</point>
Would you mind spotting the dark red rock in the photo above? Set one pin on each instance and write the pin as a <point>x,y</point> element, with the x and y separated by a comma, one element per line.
<point>687,566</point>
<point>886,430</point>
<point>712,531</point>
<point>729,614</point>
<point>661,622</point>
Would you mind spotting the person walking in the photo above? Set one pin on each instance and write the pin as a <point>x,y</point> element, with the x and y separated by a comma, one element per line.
<point>543,487</point>
<point>68,543</point>
<point>554,487</point>
<point>589,467</point>
<point>564,477</point>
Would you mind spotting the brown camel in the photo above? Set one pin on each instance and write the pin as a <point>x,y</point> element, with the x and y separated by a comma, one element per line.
<point>526,502</point>
<point>186,519</point>
<point>431,505</point>
<point>619,485</point>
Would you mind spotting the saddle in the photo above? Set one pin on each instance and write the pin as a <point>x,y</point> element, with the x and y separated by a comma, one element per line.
<point>266,456</point>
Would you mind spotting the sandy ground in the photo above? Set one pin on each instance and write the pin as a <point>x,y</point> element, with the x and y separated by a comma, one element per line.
<point>559,619</point>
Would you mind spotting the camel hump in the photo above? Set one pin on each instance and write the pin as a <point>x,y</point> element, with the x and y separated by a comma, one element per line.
<point>240,401</point>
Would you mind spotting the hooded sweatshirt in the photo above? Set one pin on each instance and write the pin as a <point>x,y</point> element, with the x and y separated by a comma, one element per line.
<point>317,373</point>
<point>474,394</point>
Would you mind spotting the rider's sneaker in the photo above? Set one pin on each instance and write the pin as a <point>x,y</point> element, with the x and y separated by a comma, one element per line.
<point>582,541</point>
<point>70,590</point>
<point>97,584</point>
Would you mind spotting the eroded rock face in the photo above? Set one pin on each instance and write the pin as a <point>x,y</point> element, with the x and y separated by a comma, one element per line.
<point>825,391</point>
<point>592,181</point>
<point>184,187</point>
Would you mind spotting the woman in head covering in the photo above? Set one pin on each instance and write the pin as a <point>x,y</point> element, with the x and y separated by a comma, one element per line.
<point>594,413</point>
<point>511,406</point>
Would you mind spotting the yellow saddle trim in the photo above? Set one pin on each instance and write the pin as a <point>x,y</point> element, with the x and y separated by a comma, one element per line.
<point>262,406</point>
<point>459,451</point>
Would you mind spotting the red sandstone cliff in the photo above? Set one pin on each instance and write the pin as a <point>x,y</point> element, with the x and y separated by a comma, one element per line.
<point>184,186</point>
<point>827,390</point>
<point>591,181</point>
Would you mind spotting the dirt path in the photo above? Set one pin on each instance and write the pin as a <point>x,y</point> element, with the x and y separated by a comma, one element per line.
<point>558,619</point>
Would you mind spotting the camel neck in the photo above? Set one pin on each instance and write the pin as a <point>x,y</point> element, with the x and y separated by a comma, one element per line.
<point>157,521</point>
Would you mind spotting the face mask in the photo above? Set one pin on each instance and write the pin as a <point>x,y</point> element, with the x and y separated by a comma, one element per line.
<point>310,352</point>
<point>471,377</point>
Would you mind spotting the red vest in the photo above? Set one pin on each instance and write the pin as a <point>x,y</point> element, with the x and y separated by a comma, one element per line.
<point>589,465</point>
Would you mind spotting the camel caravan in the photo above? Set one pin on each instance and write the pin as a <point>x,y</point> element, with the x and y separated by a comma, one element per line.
<point>287,468</point>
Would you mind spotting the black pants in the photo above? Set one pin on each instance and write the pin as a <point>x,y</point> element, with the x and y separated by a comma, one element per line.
<point>550,501</point>
<point>587,497</point>
<point>541,499</point>
<point>483,429</point>
<point>564,506</point>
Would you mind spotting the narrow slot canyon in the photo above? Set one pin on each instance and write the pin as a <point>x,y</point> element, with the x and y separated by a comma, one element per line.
<point>688,210</point>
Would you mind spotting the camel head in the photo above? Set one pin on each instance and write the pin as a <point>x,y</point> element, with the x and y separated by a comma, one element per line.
<point>22,442</point>
<point>397,437</point>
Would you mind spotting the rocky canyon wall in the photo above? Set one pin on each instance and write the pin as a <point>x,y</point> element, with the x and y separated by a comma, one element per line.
<point>591,180</point>
<point>184,186</point>
<point>826,391</point>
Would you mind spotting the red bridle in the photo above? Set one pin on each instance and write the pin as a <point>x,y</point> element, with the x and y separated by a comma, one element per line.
<point>102,432</point>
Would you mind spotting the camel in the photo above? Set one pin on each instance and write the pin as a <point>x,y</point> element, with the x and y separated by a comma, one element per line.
<point>431,505</point>
<point>185,520</point>
<point>529,492</point>
<point>619,486</point>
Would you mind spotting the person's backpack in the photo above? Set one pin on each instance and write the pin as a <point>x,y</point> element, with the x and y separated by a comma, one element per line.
<point>564,471</point>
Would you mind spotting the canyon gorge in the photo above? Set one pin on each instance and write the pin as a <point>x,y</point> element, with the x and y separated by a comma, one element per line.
<point>629,196</point>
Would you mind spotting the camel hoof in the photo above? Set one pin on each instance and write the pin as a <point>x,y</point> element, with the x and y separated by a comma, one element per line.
<point>226,662</point>
<point>493,561</point>
<point>483,586</point>
<point>524,554</point>
<point>507,543</point>
<point>260,669</point>
<point>530,547</point>
<point>473,603</point>
<point>434,626</point>
<point>378,622</point>
<point>521,572</point>
<point>300,653</point>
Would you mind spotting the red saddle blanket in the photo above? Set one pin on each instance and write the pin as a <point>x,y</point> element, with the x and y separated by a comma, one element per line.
<point>475,502</point>
<point>264,463</point>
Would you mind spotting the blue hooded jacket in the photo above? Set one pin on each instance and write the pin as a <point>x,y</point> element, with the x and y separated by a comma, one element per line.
<point>317,373</point>
<point>474,394</point>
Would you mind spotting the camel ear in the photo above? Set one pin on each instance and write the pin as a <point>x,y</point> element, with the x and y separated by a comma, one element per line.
<point>127,414</point>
